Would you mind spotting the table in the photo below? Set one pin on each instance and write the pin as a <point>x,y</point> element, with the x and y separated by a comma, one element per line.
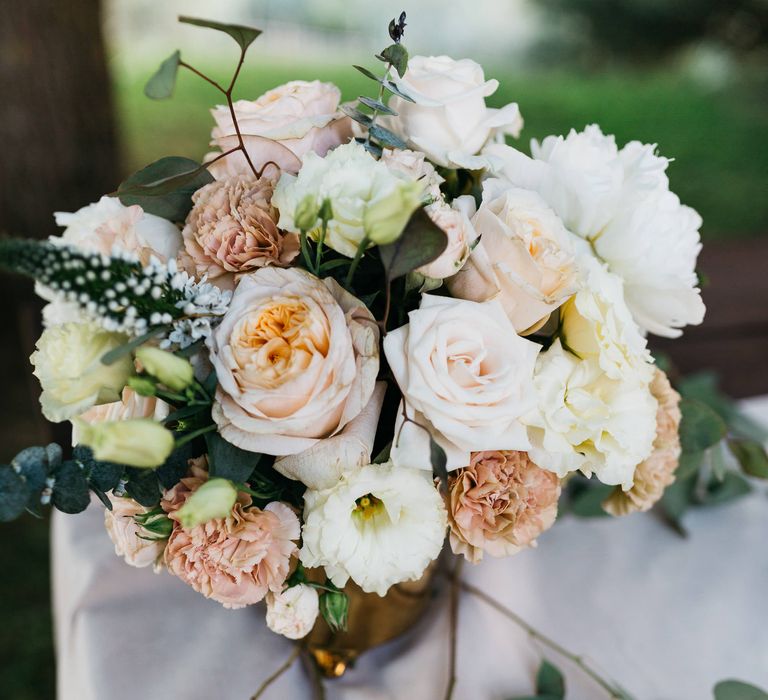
<point>666,617</point>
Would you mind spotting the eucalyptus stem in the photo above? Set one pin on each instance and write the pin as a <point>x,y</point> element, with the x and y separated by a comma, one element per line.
<point>184,439</point>
<point>613,691</point>
<point>356,260</point>
<point>375,112</point>
<point>280,671</point>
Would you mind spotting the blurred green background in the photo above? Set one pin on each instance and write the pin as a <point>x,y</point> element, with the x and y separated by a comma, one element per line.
<point>689,76</point>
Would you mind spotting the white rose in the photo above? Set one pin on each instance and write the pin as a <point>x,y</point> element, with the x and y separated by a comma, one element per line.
<point>596,324</point>
<point>129,538</point>
<point>296,360</point>
<point>379,526</point>
<point>293,612</point>
<point>282,125</point>
<point>619,201</point>
<point>587,421</point>
<point>355,183</point>
<point>454,220</point>
<point>415,166</point>
<point>524,257</point>
<point>448,119</point>
<point>466,378</point>
<point>73,378</point>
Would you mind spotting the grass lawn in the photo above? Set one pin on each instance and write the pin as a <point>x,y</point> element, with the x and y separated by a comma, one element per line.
<point>719,140</point>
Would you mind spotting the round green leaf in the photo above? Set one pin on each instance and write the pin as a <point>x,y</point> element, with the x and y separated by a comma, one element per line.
<point>70,490</point>
<point>738,690</point>
<point>14,494</point>
<point>700,427</point>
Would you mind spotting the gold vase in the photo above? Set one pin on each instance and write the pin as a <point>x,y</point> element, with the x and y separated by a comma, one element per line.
<point>372,620</point>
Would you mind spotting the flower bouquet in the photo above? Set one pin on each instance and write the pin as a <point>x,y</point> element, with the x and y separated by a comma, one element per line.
<point>293,368</point>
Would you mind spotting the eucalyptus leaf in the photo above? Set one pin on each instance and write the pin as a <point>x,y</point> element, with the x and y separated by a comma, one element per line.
<point>377,106</point>
<point>751,456</point>
<point>420,243</point>
<point>357,115</point>
<point>33,465</point>
<point>71,493</point>
<point>165,188</point>
<point>176,466</point>
<point>243,35</point>
<point>229,461</point>
<point>143,486</point>
<point>103,476</point>
<point>367,73</point>
<point>676,500</point>
<point>731,487</point>
<point>439,461</point>
<point>738,690</point>
<point>397,55</point>
<point>388,84</point>
<point>386,137</point>
<point>588,501</point>
<point>550,681</point>
<point>160,86</point>
<point>14,494</point>
<point>115,354</point>
<point>700,426</point>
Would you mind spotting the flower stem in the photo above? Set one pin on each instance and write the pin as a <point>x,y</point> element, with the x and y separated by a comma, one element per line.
<point>356,260</point>
<point>454,613</point>
<point>305,252</point>
<point>203,76</point>
<point>231,106</point>
<point>613,691</point>
<point>319,254</point>
<point>184,439</point>
<point>280,671</point>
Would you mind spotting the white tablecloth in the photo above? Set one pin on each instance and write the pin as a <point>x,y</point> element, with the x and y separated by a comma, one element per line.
<point>664,616</point>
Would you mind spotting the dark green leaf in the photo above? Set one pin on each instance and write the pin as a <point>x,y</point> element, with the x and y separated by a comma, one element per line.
<point>700,427</point>
<point>751,456</point>
<point>32,464</point>
<point>379,107</point>
<point>549,681</point>
<point>420,243</point>
<point>160,86</point>
<point>244,36</point>
<point>357,115</point>
<point>388,84</point>
<point>102,497</point>
<point>731,487</point>
<point>228,461</point>
<point>165,187</point>
<point>210,383</point>
<point>397,55</point>
<point>14,494</point>
<point>373,148</point>
<point>184,412</point>
<point>70,490</point>
<point>677,499</point>
<point>177,465</point>
<point>368,73</point>
<point>439,461</point>
<point>142,486</point>
<point>689,463</point>
<point>738,690</point>
<point>121,351</point>
<point>386,137</point>
<point>587,502</point>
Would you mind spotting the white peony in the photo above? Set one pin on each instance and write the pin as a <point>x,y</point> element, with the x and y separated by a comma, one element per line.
<point>587,421</point>
<point>619,201</point>
<point>73,378</point>
<point>466,378</point>
<point>596,324</point>
<point>524,258</point>
<point>448,119</point>
<point>293,612</point>
<point>354,182</point>
<point>378,526</point>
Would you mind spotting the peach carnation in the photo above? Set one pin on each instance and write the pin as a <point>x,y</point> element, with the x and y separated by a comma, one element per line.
<point>232,230</point>
<point>235,560</point>
<point>499,504</point>
<point>658,471</point>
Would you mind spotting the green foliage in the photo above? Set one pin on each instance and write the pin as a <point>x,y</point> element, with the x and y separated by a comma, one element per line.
<point>751,457</point>
<point>244,36</point>
<point>550,684</point>
<point>395,55</point>
<point>738,690</point>
<point>700,427</point>
<point>229,461</point>
<point>586,496</point>
<point>165,188</point>
<point>160,86</point>
<point>71,493</point>
<point>439,461</point>
<point>334,607</point>
<point>14,494</point>
<point>143,486</point>
<point>420,243</point>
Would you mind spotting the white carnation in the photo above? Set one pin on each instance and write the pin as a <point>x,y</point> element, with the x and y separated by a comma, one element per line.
<point>293,612</point>
<point>587,421</point>
<point>378,526</point>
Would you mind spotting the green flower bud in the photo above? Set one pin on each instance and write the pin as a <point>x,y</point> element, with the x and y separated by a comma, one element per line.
<point>138,443</point>
<point>326,210</point>
<point>156,523</point>
<point>143,386</point>
<point>214,499</point>
<point>334,607</point>
<point>384,219</point>
<point>173,371</point>
<point>307,211</point>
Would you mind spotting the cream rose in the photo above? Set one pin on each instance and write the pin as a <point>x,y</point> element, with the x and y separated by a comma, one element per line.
<point>282,125</point>
<point>134,544</point>
<point>73,378</point>
<point>448,119</point>
<point>293,612</point>
<point>415,166</point>
<point>587,421</point>
<point>296,360</point>
<point>454,220</point>
<point>524,257</point>
<point>466,378</point>
<point>232,230</point>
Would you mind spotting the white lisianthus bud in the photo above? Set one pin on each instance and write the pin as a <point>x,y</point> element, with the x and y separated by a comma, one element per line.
<point>306,213</point>
<point>139,443</point>
<point>293,612</point>
<point>214,499</point>
<point>385,218</point>
<point>173,371</point>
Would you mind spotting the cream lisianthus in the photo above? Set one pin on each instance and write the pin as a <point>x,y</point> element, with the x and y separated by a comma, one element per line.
<point>296,360</point>
<point>466,378</point>
<point>587,421</point>
<point>619,201</point>
<point>524,258</point>
<point>137,442</point>
<point>597,324</point>
<point>448,119</point>
<point>293,612</point>
<point>378,526</point>
<point>368,199</point>
<point>73,377</point>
